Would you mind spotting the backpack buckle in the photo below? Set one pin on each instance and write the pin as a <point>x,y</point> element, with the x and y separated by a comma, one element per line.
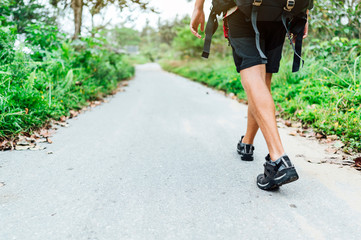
<point>257,3</point>
<point>290,5</point>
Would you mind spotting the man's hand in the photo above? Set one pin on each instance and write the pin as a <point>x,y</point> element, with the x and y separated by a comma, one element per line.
<point>196,20</point>
<point>305,32</point>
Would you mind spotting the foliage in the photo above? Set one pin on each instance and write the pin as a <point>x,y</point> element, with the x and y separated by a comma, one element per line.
<point>343,50</point>
<point>68,74</point>
<point>33,23</point>
<point>171,39</point>
<point>185,43</point>
<point>21,14</point>
<point>326,97</point>
<point>7,41</point>
<point>95,7</point>
<point>120,37</point>
<point>336,18</point>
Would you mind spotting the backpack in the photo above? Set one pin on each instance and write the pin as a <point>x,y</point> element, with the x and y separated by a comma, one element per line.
<point>291,12</point>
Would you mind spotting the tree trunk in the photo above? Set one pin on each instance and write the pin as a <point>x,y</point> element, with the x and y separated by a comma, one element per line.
<point>77,6</point>
<point>93,26</point>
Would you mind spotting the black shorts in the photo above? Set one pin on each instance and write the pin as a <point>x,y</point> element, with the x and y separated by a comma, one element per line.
<point>242,39</point>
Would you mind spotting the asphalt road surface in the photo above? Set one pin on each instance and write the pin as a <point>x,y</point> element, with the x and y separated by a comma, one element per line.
<point>159,161</point>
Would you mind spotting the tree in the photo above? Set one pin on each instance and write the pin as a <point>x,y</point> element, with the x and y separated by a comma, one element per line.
<point>77,6</point>
<point>123,36</point>
<point>168,29</point>
<point>24,13</point>
<point>95,6</point>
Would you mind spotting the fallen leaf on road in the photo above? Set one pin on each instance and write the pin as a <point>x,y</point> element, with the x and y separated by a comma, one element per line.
<point>6,145</point>
<point>45,133</point>
<point>348,162</point>
<point>319,136</point>
<point>23,141</point>
<point>41,140</point>
<point>49,140</point>
<point>20,147</point>
<point>73,113</point>
<point>331,150</point>
<point>293,133</point>
<point>37,147</point>
<point>231,95</point>
<point>296,125</point>
<point>357,162</point>
<point>288,123</point>
<point>62,124</point>
<point>62,118</point>
<point>332,137</point>
<point>317,161</point>
<point>311,134</point>
<point>95,103</point>
<point>303,135</point>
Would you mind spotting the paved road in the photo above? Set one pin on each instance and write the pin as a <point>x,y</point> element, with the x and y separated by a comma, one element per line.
<point>159,162</point>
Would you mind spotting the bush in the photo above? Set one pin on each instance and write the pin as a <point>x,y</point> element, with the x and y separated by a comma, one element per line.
<point>48,75</point>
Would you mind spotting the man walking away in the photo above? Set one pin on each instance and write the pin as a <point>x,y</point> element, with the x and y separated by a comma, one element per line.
<point>256,75</point>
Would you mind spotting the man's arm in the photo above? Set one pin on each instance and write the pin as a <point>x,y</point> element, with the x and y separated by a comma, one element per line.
<point>197,18</point>
<point>305,33</point>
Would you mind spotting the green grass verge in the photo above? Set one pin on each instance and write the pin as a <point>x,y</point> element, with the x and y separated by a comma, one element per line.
<point>34,91</point>
<point>324,95</point>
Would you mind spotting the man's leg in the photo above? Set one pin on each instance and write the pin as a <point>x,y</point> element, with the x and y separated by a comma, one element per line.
<point>252,126</point>
<point>262,108</point>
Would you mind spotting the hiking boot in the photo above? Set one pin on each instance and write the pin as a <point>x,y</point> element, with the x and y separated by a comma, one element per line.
<point>245,150</point>
<point>276,173</point>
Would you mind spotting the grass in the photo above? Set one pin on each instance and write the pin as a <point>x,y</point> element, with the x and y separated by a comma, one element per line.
<point>33,91</point>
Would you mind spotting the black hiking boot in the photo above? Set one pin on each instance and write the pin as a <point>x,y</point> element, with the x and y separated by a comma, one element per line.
<point>245,150</point>
<point>276,173</point>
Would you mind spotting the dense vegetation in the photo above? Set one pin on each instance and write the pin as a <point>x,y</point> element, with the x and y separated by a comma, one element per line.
<point>325,94</point>
<point>43,74</point>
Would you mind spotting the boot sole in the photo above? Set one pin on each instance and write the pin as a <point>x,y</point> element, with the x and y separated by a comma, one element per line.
<point>289,176</point>
<point>244,157</point>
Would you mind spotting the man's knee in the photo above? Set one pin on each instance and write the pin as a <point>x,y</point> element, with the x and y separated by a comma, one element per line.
<point>253,76</point>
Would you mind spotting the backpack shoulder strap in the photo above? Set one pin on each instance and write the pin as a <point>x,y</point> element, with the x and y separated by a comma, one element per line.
<point>211,28</point>
<point>297,29</point>
<point>254,14</point>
